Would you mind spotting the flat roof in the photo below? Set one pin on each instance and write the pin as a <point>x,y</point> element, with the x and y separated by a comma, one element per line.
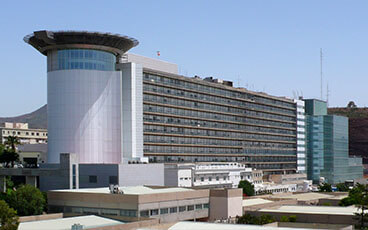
<point>256,201</point>
<point>130,190</point>
<point>326,210</point>
<point>304,196</point>
<point>90,221</point>
<point>184,225</point>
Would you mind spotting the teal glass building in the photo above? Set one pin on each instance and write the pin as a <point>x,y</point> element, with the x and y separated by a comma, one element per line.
<point>328,146</point>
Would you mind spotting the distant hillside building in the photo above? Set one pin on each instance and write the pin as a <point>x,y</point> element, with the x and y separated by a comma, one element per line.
<point>25,134</point>
<point>328,146</point>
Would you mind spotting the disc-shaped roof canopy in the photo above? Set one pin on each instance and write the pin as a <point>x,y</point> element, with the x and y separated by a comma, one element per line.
<point>47,40</point>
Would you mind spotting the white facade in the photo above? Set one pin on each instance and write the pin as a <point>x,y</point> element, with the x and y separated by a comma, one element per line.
<point>272,188</point>
<point>150,63</point>
<point>131,112</point>
<point>207,175</point>
<point>84,115</point>
<point>301,154</point>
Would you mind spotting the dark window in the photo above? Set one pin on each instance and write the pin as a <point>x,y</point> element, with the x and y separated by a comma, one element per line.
<point>128,212</point>
<point>164,211</point>
<point>144,213</point>
<point>154,212</point>
<point>182,208</point>
<point>74,169</point>
<point>92,179</point>
<point>173,210</point>
<point>198,206</point>
<point>190,207</point>
<point>113,180</point>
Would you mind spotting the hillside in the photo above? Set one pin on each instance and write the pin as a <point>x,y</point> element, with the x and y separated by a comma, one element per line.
<point>358,130</point>
<point>36,119</point>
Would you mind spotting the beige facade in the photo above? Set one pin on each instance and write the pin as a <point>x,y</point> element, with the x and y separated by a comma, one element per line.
<point>139,202</point>
<point>25,134</point>
<point>168,204</point>
<point>225,204</point>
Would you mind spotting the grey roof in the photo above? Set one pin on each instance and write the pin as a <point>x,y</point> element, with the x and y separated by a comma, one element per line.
<point>90,221</point>
<point>131,190</point>
<point>45,40</point>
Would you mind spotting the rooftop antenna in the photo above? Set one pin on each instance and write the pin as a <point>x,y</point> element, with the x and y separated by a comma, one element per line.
<point>327,94</point>
<point>321,59</point>
<point>238,81</point>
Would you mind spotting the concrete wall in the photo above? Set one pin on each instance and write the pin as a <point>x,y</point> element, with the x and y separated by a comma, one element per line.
<point>225,203</point>
<point>23,219</point>
<point>102,171</point>
<point>131,111</point>
<point>141,174</point>
<point>311,218</point>
<point>60,175</point>
<point>69,201</point>
<point>171,177</point>
<point>268,205</point>
<point>152,63</point>
<point>83,114</point>
<point>144,224</point>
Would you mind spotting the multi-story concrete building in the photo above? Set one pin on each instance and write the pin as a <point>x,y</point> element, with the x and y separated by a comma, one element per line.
<point>190,119</point>
<point>25,134</point>
<point>141,202</point>
<point>327,147</point>
<point>109,107</point>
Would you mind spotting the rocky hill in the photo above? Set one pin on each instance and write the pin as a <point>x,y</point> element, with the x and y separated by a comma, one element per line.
<point>358,130</point>
<point>36,119</point>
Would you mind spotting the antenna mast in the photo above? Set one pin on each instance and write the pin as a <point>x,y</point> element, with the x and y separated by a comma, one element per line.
<point>327,94</point>
<point>321,59</point>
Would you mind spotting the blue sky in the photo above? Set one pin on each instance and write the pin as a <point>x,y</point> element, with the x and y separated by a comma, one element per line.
<point>270,46</point>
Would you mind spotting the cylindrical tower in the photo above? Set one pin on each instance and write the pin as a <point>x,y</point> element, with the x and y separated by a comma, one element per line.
<point>83,93</point>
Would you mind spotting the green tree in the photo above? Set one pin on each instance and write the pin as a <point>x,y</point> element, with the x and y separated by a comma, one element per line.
<point>8,217</point>
<point>27,200</point>
<point>342,187</point>
<point>11,142</point>
<point>325,187</point>
<point>292,218</point>
<point>2,148</point>
<point>266,219</point>
<point>358,196</point>
<point>248,188</point>
<point>355,196</point>
<point>9,157</point>
<point>250,219</point>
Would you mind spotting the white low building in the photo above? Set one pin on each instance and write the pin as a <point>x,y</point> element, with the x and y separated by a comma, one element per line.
<point>272,188</point>
<point>209,175</point>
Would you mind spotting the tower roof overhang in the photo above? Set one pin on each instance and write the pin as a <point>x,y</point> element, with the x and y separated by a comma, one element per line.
<point>47,40</point>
